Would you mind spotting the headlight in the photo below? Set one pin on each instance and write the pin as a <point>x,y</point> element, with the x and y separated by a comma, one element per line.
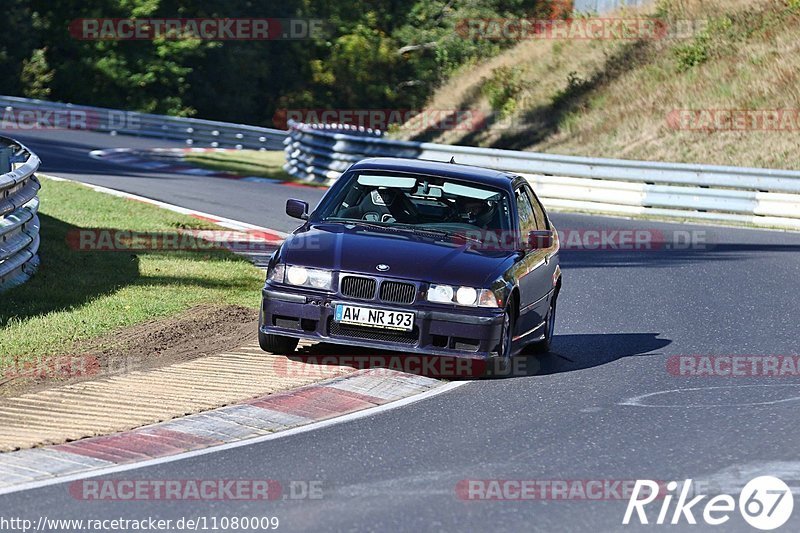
<point>441,294</point>
<point>277,273</point>
<point>302,276</point>
<point>487,298</point>
<point>319,279</point>
<point>297,275</point>
<point>466,296</point>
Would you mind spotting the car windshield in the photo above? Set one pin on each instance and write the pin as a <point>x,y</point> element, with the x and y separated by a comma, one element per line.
<point>419,202</point>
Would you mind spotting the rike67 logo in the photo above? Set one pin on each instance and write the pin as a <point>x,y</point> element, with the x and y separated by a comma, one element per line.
<point>766,503</point>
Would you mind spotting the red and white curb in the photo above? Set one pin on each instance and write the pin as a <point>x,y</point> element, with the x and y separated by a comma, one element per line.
<point>152,160</point>
<point>361,393</point>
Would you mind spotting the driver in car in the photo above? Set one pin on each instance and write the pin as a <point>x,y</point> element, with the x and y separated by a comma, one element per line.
<point>477,212</point>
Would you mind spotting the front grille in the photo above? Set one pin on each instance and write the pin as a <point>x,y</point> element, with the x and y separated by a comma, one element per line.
<point>358,287</point>
<point>342,330</point>
<point>398,293</point>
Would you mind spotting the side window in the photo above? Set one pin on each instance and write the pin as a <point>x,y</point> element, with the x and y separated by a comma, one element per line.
<point>527,222</point>
<point>538,210</point>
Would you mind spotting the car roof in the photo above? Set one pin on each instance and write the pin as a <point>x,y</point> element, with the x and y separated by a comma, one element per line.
<point>483,176</point>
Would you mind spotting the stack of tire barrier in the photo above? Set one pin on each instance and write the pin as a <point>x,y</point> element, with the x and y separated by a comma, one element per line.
<point>19,205</point>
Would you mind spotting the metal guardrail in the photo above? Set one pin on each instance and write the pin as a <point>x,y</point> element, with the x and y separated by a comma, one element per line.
<point>762,197</point>
<point>19,222</point>
<point>25,113</point>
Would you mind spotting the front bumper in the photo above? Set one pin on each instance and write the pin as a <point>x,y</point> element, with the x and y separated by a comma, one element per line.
<point>473,332</point>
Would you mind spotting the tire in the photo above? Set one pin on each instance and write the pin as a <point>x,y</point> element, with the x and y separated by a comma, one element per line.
<point>544,345</point>
<point>503,363</point>
<point>277,344</point>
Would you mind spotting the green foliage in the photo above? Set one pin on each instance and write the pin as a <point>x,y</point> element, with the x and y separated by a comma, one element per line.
<point>502,89</point>
<point>691,54</point>
<point>373,54</point>
<point>575,87</point>
<point>36,75</point>
<point>712,39</point>
<point>723,34</point>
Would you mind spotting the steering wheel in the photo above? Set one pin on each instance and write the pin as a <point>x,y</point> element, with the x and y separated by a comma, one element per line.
<point>373,216</point>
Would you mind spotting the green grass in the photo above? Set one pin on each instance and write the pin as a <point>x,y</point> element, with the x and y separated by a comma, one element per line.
<point>80,295</point>
<point>609,98</point>
<point>266,164</point>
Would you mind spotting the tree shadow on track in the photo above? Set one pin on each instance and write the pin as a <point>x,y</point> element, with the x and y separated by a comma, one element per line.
<point>66,278</point>
<point>69,277</point>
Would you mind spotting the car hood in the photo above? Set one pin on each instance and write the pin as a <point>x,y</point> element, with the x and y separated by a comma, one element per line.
<point>353,248</point>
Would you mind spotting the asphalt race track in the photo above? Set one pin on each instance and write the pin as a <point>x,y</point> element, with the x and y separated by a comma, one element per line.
<point>580,415</point>
<point>65,153</point>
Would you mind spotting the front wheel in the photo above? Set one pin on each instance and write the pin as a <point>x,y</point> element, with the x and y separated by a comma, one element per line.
<point>277,344</point>
<point>501,365</point>
<point>544,345</point>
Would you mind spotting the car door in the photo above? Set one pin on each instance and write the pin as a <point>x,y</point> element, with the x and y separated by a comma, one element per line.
<point>529,268</point>
<point>545,273</point>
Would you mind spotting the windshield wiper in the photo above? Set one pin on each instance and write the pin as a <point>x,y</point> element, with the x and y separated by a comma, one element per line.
<point>390,226</point>
<point>404,227</point>
<point>439,232</point>
<point>355,222</point>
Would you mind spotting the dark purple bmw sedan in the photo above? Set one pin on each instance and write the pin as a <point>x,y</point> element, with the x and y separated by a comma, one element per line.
<point>423,257</point>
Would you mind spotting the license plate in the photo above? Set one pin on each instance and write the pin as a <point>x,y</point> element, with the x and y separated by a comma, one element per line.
<point>374,318</point>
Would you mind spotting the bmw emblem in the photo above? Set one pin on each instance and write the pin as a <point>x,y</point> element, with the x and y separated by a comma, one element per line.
<point>382,267</point>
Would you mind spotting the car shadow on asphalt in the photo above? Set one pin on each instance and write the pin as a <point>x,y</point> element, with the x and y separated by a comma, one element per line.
<point>390,361</point>
<point>578,352</point>
<point>570,353</point>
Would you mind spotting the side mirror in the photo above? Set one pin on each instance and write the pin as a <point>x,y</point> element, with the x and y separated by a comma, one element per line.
<point>540,239</point>
<point>297,209</point>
